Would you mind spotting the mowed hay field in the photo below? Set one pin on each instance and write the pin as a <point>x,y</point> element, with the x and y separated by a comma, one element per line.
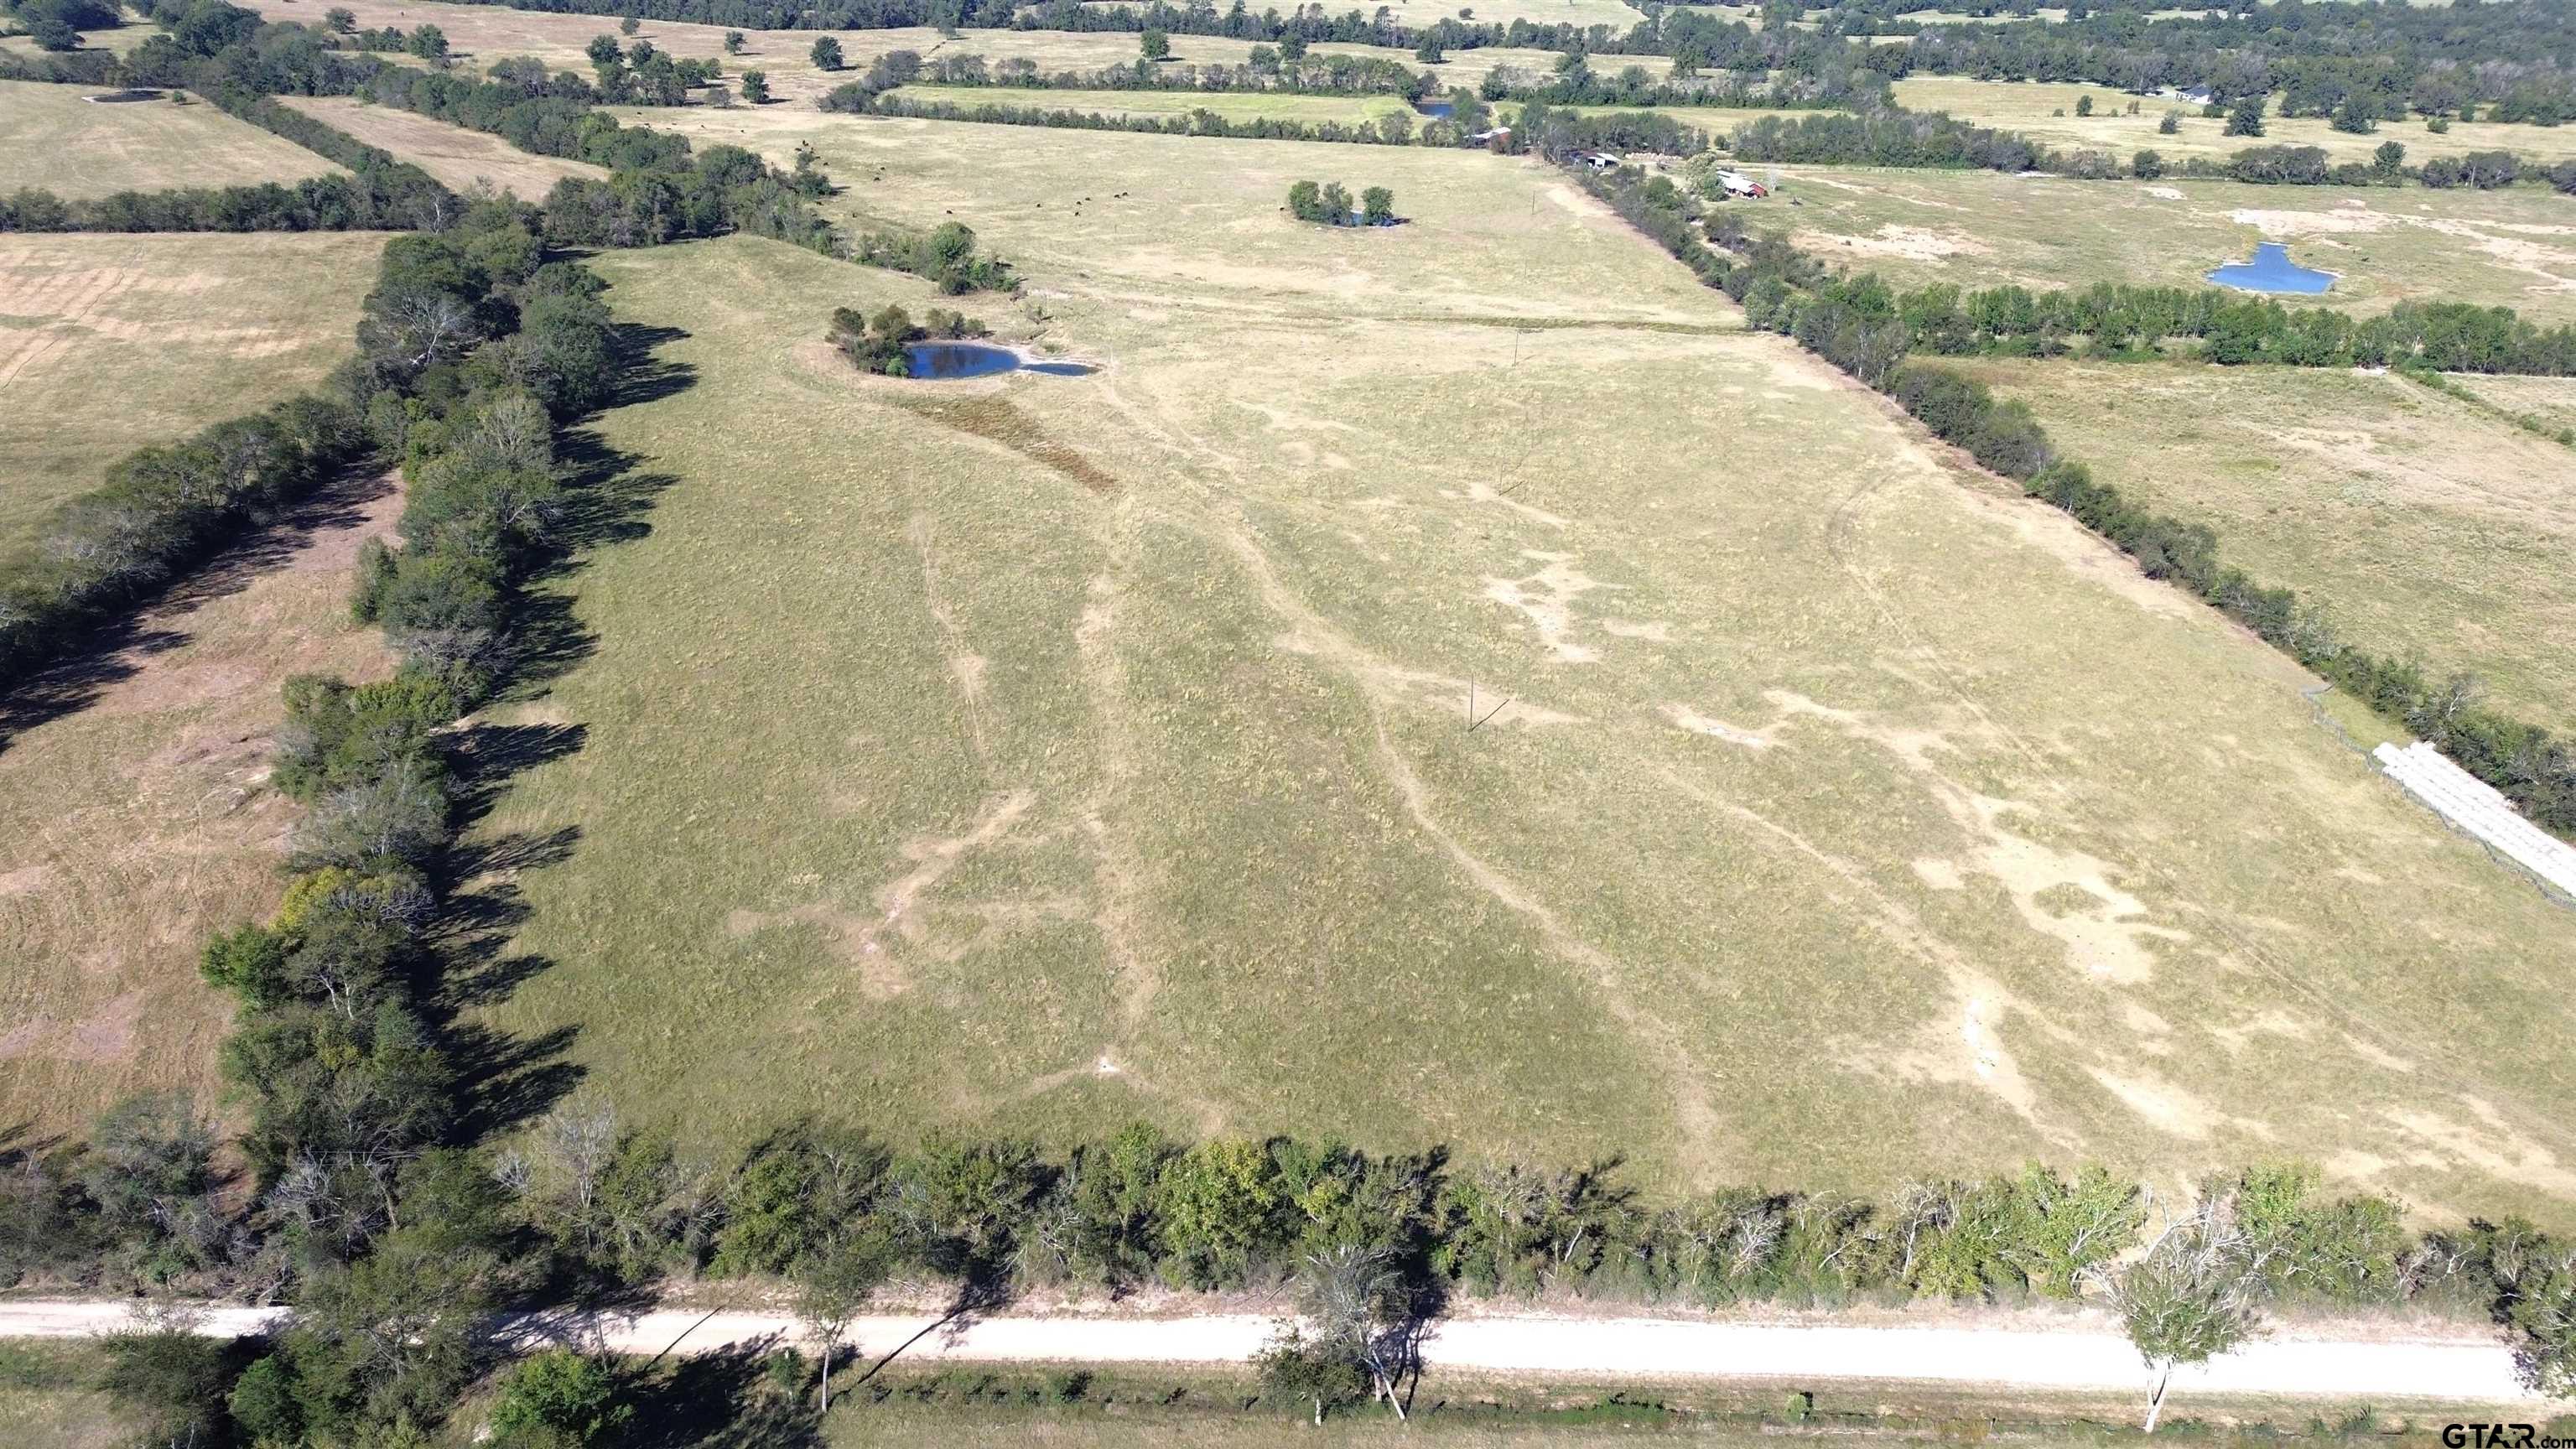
<point>2426,527</point>
<point>108,343</point>
<point>1037,752</point>
<point>139,821</point>
<point>2513,248</point>
<point>456,156</point>
<point>72,147</point>
<point>2031,108</point>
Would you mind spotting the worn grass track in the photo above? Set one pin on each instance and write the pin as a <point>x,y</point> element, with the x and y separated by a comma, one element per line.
<point>1849,817</point>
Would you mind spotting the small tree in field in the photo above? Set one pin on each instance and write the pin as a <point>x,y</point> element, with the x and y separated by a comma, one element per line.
<point>1337,203</point>
<point>1298,1368</point>
<point>755,87</point>
<point>733,42</point>
<point>1305,201</point>
<point>2192,1296</point>
<point>2083,105</point>
<point>1377,206</point>
<point>827,53</point>
<point>1362,1314</point>
<point>835,1280</point>
<point>629,25</point>
<point>1155,45</point>
<point>2247,118</point>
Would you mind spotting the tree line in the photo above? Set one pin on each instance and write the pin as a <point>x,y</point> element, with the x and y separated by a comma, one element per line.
<point>1374,1245</point>
<point>1622,130</point>
<point>384,193</point>
<point>2509,57</point>
<point>2118,320</point>
<point>1891,136</point>
<point>1861,326</point>
<point>388,1236</point>
<point>2434,61</point>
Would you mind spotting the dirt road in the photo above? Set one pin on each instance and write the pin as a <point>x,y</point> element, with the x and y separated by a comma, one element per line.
<point>2458,1370</point>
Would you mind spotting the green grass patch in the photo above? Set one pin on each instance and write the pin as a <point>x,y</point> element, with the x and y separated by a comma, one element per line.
<point>2427,527</point>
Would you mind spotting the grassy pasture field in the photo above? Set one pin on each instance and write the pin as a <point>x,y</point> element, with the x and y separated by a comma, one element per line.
<point>111,342</point>
<point>1039,752</point>
<point>454,155</point>
<point>121,39</point>
<point>135,818</point>
<point>2028,107</point>
<point>2425,526</point>
<point>73,147</point>
<point>1981,229</point>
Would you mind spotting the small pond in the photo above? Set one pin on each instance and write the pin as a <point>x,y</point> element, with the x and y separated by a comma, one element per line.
<point>2272,271</point>
<point>941,361</point>
<point>1436,110</point>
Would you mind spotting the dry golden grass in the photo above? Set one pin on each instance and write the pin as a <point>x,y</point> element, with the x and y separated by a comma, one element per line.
<point>2033,107</point>
<point>456,156</point>
<point>60,142</point>
<point>1848,816</point>
<point>1981,229</point>
<point>108,343</point>
<point>137,821</point>
<point>2550,401</point>
<point>2427,527</point>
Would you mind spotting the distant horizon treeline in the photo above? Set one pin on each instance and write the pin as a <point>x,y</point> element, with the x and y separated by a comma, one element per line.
<point>2378,62</point>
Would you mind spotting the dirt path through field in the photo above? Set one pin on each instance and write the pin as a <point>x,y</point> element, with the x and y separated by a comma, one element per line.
<point>2461,1371</point>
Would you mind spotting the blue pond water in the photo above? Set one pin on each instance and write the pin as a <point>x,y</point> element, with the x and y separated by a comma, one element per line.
<point>1437,110</point>
<point>941,361</point>
<point>2272,271</point>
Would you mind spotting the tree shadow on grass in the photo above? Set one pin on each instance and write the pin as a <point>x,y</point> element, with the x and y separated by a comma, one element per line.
<point>155,622</point>
<point>515,1079</point>
<point>720,1400</point>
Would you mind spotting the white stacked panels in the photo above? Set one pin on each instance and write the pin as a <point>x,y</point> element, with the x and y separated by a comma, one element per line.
<point>2476,807</point>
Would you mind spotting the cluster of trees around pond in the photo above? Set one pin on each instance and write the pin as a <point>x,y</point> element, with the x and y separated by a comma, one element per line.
<point>1871,332</point>
<point>878,341</point>
<point>1330,204</point>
